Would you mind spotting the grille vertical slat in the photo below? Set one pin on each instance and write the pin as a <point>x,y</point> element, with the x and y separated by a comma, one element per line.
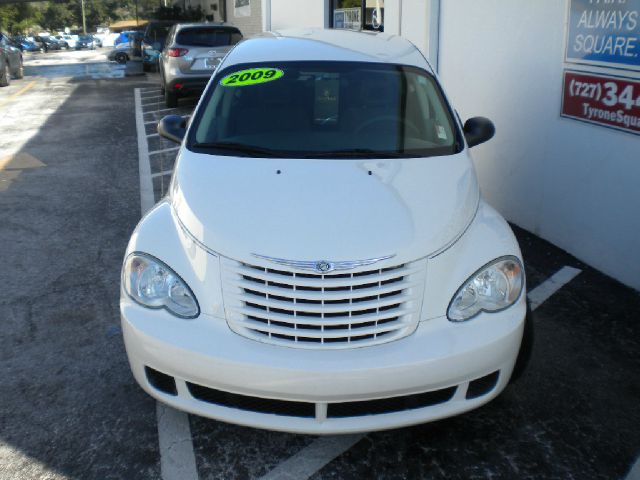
<point>335,310</point>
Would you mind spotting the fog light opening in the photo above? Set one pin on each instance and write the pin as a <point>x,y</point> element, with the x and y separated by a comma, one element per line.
<point>161,381</point>
<point>483,385</point>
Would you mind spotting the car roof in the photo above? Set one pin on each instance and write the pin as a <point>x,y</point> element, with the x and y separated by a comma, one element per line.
<point>317,44</point>
<point>180,26</point>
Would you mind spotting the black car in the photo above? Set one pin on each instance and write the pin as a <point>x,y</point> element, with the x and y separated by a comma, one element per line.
<point>47,43</point>
<point>63,43</point>
<point>10,61</point>
<point>85,41</point>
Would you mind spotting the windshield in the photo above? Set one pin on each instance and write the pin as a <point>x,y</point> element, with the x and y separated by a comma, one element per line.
<point>156,33</point>
<point>324,109</point>
<point>208,37</point>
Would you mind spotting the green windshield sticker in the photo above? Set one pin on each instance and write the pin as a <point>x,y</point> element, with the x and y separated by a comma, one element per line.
<point>251,76</point>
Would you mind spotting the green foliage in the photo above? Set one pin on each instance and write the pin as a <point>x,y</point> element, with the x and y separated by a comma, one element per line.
<point>8,17</point>
<point>54,16</point>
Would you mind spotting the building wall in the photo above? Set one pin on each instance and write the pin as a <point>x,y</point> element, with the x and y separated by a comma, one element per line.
<point>417,21</point>
<point>251,25</point>
<point>298,13</point>
<point>574,184</point>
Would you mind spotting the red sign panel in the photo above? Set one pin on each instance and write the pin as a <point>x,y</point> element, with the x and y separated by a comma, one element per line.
<point>604,100</point>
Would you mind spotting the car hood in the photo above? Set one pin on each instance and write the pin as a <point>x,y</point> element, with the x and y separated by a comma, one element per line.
<point>324,209</point>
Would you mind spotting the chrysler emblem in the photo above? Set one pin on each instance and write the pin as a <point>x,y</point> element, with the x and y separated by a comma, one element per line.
<point>323,266</point>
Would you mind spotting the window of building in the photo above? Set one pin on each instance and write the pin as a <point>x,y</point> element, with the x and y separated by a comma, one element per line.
<point>357,14</point>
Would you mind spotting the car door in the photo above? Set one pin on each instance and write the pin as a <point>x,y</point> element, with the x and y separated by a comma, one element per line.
<point>13,54</point>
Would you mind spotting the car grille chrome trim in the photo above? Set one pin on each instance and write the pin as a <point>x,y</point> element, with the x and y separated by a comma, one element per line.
<point>323,311</point>
<point>331,266</point>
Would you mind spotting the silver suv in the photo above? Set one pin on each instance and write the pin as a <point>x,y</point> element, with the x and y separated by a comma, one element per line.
<point>191,54</point>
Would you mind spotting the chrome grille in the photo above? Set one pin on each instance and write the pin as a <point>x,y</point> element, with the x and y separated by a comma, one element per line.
<point>334,310</point>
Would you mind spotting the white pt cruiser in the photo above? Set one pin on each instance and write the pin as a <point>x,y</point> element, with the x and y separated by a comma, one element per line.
<point>323,261</point>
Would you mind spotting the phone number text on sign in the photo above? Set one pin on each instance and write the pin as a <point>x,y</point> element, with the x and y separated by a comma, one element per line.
<point>610,101</point>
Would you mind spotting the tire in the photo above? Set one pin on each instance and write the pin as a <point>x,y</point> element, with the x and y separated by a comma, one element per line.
<point>146,67</point>
<point>20,70</point>
<point>121,58</point>
<point>526,347</point>
<point>170,99</point>
<point>5,76</point>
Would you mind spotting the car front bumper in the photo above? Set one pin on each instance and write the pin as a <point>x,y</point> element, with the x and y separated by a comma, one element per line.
<point>222,375</point>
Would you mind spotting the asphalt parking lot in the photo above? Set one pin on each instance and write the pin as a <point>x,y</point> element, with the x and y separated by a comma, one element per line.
<point>80,159</point>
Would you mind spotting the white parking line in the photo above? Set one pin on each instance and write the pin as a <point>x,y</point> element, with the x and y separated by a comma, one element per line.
<point>172,149</point>
<point>177,460</point>
<point>312,458</point>
<point>551,285</point>
<point>161,174</point>
<point>161,110</point>
<point>147,199</point>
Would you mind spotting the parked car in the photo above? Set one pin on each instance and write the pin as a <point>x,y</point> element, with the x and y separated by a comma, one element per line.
<point>120,54</point>
<point>67,41</point>
<point>85,41</point>
<point>10,61</point>
<point>125,51</point>
<point>47,43</point>
<point>324,262</point>
<point>97,41</point>
<point>25,45</point>
<point>126,37</point>
<point>155,36</point>
<point>191,54</point>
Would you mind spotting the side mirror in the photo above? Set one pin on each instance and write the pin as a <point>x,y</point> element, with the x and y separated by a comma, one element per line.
<point>173,127</point>
<point>478,130</point>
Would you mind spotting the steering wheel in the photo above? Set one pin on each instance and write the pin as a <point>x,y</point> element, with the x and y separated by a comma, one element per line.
<point>389,119</point>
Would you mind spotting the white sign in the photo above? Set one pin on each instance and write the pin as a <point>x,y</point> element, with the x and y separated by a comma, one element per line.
<point>242,8</point>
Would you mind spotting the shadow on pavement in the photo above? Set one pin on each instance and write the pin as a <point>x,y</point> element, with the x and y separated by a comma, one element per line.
<point>70,407</point>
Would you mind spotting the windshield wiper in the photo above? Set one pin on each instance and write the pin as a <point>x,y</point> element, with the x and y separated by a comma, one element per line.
<point>240,148</point>
<point>356,153</point>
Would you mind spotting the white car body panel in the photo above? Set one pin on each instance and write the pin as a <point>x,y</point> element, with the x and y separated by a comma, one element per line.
<point>423,211</point>
<point>210,194</point>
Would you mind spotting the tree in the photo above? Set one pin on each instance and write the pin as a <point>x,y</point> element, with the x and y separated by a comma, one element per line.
<point>8,17</point>
<point>57,17</point>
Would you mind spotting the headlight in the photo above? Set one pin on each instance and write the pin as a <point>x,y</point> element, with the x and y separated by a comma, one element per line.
<point>152,284</point>
<point>494,287</point>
